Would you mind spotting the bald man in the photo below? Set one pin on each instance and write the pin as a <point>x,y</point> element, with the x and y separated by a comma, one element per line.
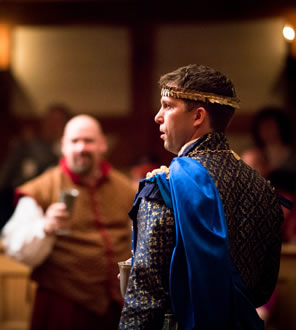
<point>75,271</point>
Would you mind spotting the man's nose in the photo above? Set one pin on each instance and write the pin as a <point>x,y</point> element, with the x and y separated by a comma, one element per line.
<point>80,146</point>
<point>158,118</point>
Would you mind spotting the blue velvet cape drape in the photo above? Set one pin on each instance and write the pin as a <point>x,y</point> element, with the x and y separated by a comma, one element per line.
<point>205,288</point>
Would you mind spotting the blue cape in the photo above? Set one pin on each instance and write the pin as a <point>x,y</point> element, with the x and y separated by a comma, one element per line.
<point>205,287</point>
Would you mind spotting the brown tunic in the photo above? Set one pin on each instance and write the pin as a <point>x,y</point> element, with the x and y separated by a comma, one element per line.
<point>83,265</point>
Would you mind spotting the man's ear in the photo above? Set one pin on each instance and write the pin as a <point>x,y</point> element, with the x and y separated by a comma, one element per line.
<point>103,144</point>
<point>62,145</point>
<point>200,116</point>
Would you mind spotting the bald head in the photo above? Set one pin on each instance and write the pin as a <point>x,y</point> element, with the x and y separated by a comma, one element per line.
<point>83,145</point>
<point>83,122</point>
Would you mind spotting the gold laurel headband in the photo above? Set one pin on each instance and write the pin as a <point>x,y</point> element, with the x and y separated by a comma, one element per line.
<point>181,93</point>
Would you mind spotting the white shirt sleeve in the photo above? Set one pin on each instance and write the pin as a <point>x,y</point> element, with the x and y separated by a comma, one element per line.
<point>23,237</point>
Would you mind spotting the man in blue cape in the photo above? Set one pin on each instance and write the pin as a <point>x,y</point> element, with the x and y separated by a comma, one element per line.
<point>206,230</point>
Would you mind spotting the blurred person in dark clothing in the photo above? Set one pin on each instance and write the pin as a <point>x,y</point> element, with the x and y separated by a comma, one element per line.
<point>273,156</point>
<point>34,153</point>
<point>273,135</point>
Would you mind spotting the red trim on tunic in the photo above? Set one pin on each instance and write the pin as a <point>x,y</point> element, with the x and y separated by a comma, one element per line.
<point>107,240</point>
<point>18,194</point>
<point>103,166</point>
<point>104,169</point>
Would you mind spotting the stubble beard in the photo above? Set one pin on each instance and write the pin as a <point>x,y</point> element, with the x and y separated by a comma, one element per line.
<point>82,168</point>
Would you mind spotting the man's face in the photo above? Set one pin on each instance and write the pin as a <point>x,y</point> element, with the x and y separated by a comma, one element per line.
<point>83,145</point>
<point>269,131</point>
<point>175,123</point>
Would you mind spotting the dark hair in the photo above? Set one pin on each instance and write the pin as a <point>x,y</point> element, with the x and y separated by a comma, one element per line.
<point>282,120</point>
<point>60,108</point>
<point>204,79</point>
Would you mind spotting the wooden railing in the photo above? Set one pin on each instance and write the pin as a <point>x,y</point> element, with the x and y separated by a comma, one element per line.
<point>16,295</point>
